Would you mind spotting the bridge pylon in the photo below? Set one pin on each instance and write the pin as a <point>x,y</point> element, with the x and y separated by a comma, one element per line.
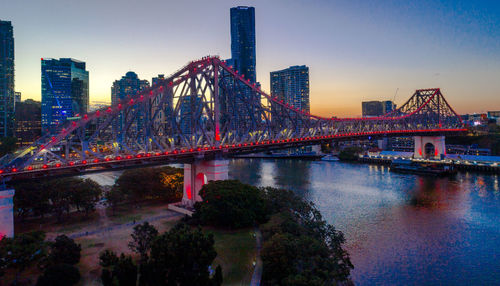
<point>199,173</point>
<point>429,147</point>
<point>7,213</point>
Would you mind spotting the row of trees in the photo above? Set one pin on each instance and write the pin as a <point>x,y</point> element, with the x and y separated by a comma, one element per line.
<point>56,197</point>
<point>299,247</point>
<point>181,256</point>
<point>55,259</point>
<point>60,196</point>
<point>146,183</point>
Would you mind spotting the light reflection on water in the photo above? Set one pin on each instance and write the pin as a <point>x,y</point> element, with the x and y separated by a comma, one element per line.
<point>400,229</point>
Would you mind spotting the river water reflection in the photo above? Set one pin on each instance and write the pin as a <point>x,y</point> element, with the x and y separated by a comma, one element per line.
<point>401,229</point>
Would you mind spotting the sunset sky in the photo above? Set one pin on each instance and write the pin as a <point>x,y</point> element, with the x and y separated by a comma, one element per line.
<point>355,50</point>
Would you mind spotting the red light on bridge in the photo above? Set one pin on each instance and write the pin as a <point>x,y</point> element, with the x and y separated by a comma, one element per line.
<point>107,159</point>
<point>29,169</point>
<point>129,157</point>
<point>14,170</point>
<point>118,158</point>
<point>148,155</point>
<point>175,152</point>
<point>71,163</point>
<point>1,171</point>
<point>58,165</point>
<point>166,153</point>
<point>157,154</point>
<point>45,166</point>
<point>109,109</point>
<point>139,156</point>
<point>84,162</point>
<point>96,160</point>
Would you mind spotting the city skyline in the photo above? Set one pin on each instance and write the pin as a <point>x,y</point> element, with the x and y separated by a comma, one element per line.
<point>357,52</point>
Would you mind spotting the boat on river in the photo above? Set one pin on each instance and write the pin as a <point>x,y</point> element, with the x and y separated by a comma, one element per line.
<point>330,158</point>
<point>411,167</point>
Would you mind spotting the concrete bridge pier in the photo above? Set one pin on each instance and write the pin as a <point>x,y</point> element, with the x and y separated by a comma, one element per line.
<point>7,213</point>
<point>200,173</point>
<point>429,147</point>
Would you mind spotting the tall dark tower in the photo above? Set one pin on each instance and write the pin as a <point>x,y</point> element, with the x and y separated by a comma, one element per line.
<point>6,79</point>
<point>243,40</point>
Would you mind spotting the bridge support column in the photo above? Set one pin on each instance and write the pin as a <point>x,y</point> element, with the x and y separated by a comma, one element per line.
<point>7,213</point>
<point>200,173</point>
<point>423,144</point>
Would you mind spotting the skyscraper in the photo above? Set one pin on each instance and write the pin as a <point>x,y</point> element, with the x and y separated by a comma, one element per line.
<point>65,91</point>
<point>130,84</point>
<point>6,79</point>
<point>292,86</point>
<point>377,108</point>
<point>243,40</point>
<point>28,125</point>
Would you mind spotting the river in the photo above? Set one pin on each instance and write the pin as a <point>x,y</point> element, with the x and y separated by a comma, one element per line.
<point>400,229</point>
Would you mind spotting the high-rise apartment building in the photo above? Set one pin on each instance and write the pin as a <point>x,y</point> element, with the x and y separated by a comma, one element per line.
<point>6,79</point>
<point>17,97</point>
<point>156,80</point>
<point>130,84</point>
<point>188,113</point>
<point>377,108</point>
<point>65,91</point>
<point>243,40</point>
<point>292,86</point>
<point>28,125</point>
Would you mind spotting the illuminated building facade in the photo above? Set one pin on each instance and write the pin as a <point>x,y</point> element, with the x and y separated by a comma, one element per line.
<point>28,126</point>
<point>6,79</point>
<point>65,91</point>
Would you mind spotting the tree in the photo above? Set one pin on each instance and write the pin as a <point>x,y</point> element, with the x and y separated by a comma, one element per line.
<point>148,183</point>
<point>181,257</point>
<point>59,275</point>
<point>142,238</point>
<point>174,183</point>
<point>22,251</point>
<point>230,204</point>
<point>117,270</point>
<point>60,193</point>
<point>114,197</point>
<point>32,198</point>
<point>85,195</point>
<point>64,251</point>
<point>299,247</point>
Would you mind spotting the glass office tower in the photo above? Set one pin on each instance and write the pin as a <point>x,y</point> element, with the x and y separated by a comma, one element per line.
<point>65,91</point>
<point>6,79</point>
<point>243,40</point>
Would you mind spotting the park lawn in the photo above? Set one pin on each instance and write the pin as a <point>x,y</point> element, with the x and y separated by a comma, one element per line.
<point>235,254</point>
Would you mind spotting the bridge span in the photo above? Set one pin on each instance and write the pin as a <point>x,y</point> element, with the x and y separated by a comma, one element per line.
<point>201,114</point>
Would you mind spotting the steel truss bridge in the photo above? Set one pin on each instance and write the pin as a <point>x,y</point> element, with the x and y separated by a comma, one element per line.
<point>208,110</point>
